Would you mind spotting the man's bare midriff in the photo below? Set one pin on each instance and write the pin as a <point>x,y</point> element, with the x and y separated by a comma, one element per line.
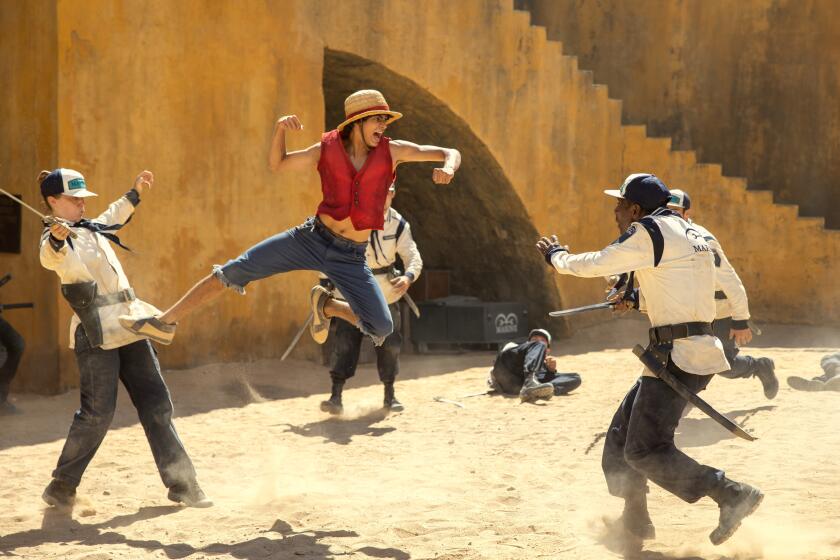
<point>345,228</point>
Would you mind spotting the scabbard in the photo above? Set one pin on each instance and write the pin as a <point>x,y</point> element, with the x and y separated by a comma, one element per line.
<point>661,371</point>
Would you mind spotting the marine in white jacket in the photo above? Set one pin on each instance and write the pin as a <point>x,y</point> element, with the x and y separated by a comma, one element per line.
<point>675,268</point>
<point>95,286</point>
<point>732,313</point>
<point>383,248</point>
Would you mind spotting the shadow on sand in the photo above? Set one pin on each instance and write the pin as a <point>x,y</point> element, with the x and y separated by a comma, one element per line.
<point>341,430</point>
<point>700,432</point>
<point>58,526</point>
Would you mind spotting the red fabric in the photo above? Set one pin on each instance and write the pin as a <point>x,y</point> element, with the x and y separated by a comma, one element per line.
<point>348,193</point>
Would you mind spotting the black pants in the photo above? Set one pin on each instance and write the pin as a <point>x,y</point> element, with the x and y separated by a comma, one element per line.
<point>348,345</point>
<point>640,443</point>
<point>513,365</point>
<point>100,371</point>
<point>11,340</point>
<point>740,366</point>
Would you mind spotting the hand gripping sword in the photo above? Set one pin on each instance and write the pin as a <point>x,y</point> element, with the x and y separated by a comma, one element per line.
<point>49,220</point>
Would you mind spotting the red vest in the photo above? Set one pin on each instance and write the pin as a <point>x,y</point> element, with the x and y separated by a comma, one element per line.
<point>359,195</point>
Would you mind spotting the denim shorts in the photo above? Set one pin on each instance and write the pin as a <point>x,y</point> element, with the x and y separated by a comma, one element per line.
<point>311,246</point>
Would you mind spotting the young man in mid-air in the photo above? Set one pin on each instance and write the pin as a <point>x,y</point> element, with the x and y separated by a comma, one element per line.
<point>357,164</point>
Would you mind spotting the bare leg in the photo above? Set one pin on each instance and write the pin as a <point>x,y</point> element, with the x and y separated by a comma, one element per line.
<point>340,309</point>
<point>206,290</point>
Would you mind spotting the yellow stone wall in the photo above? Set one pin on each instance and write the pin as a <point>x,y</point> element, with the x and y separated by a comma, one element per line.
<point>191,89</point>
<point>750,84</point>
<point>28,113</point>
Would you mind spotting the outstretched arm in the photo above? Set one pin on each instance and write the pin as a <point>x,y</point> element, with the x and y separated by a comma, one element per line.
<point>279,159</point>
<point>634,252</point>
<point>404,151</point>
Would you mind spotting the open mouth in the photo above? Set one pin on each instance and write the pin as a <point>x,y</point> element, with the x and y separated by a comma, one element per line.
<point>377,136</point>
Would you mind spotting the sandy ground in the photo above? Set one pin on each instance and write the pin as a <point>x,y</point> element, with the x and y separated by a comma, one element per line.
<point>495,479</point>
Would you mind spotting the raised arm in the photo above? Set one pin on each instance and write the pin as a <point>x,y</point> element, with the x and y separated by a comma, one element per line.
<point>279,158</point>
<point>403,151</point>
<point>121,209</point>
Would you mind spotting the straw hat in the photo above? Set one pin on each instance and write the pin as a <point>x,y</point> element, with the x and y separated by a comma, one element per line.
<point>365,103</point>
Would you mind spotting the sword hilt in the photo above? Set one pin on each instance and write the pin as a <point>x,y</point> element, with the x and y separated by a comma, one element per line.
<point>49,220</point>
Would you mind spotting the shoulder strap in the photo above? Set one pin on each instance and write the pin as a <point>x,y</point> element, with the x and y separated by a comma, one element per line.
<point>656,237</point>
<point>400,228</point>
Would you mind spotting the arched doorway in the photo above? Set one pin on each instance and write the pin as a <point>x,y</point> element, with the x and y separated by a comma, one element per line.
<point>477,227</point>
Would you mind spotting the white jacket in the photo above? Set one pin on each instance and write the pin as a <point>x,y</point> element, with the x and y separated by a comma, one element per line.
<point>92,258</point>
<point>727,281</point>
<point>677,275</point>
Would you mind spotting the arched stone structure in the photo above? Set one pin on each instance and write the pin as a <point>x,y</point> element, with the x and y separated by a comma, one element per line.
<point>191,89</point>
<point>477,227</point>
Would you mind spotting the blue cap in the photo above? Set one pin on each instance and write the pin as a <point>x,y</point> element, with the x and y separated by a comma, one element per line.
<point>680,199</point>
<point>644,189</point>
<point>67,182</point>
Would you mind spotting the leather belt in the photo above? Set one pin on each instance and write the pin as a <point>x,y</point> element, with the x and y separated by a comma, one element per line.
<point>720,295</point>
<point>669,333</point>
<point>383,270</point>
<point>116,297</point>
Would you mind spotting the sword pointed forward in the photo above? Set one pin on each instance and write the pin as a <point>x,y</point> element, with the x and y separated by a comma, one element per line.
<point>46,219</point>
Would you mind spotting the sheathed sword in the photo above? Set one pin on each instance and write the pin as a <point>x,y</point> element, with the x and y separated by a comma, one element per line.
<point>411,305</point>
<point>395,273</point>
<point>49,220</point>
<point>661,371</point>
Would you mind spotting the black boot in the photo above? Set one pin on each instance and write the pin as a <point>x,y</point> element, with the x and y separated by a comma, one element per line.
<point>333,404</point>
<point>391,403</point>
<point>190,494</point>
<point>59,493</point>
<point>767,375</point>
<point>736,501</point>
<point>636,519</point>
<point>533,390</point>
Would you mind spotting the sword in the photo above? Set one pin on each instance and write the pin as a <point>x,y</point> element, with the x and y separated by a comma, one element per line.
<point>584,309</point>
<point>297,337</point>
<point>413,306</point>
<point>661,370</point>
<point>46,219</point>
<point>408,299</point>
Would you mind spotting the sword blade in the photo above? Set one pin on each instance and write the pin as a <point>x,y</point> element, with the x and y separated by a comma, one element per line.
<point>583,309</point>
<point>22,203</point>
<point>297,337</point>
<point>662,373</point>
<point>413,306</point>
<point>48,219</point>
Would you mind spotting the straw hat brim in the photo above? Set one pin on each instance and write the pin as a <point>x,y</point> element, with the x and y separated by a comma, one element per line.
<point>393,114</point>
